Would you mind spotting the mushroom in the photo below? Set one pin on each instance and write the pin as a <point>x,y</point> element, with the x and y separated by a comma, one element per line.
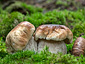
<point>53,36</point>
<point>19,37</point>
<point>79,47</point>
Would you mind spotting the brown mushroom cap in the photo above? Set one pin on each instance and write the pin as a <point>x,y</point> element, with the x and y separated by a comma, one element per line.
<point>20,35</point>
<point>54,32</point>
<point>79,47</point>
<point>25,24</point>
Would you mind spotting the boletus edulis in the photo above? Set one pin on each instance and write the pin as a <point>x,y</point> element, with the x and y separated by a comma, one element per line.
<point>79,47</point>
<point>20,38</point>
<point>53,36</point>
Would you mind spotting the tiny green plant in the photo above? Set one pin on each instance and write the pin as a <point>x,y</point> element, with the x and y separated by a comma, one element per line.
<point>2,45</point>
<point>3,51</point>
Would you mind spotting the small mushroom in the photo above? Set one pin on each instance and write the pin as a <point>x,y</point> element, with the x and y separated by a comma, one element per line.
<point>79,47</point>
<point>19,37</point>
<point>53,36</point>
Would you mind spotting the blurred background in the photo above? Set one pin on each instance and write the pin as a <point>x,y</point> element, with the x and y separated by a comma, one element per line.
<point>49,4</point>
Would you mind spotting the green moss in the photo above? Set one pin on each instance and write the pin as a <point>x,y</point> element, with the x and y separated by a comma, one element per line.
<point>78,29</point>
<point>60,2</point>
<point>69,4</point>
<point>31,8</point>
<point>3,51</point>
<point>2,45</point>
<point>9,21</point>
<point>52,17</point>
<point>23,7</point>
<point>44,57</point>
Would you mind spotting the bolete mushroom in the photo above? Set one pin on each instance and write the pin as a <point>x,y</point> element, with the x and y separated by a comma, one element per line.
<point>19,37</point>
<point>53,36</point>
<point>79,47</point>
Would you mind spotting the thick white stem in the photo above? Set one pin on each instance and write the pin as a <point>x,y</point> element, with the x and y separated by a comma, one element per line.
<point>54,47</point>
<point>32,45</point>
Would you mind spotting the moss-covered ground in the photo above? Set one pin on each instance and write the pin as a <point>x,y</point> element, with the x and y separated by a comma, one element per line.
<point>75,20</point>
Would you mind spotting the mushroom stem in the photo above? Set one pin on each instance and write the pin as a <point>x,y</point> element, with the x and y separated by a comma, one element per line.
<point>31,45</point>
<point>54,46</point>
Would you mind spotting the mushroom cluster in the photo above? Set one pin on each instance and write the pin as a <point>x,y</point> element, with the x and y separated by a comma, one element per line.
<point>53,36</point>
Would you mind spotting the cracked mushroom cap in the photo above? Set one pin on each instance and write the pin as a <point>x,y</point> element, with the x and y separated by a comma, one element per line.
<point>19,36</point>
<point>54,32</point>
